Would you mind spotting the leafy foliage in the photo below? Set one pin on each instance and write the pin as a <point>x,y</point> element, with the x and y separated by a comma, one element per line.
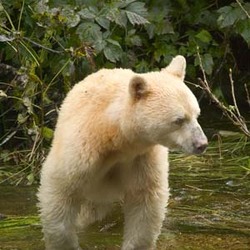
<point>48,45</point>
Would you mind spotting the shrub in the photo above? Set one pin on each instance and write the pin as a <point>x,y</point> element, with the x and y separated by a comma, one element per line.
<point>47,46</point>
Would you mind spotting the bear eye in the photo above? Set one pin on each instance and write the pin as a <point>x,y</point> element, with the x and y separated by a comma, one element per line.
<point>179,121</point>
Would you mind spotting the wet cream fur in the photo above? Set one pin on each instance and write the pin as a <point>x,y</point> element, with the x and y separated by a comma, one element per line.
<point>111,144</point>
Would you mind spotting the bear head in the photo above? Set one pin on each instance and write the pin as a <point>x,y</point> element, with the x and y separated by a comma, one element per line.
<point>163,110</point>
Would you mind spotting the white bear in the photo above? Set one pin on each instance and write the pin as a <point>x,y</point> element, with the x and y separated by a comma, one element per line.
<point>111,144</point>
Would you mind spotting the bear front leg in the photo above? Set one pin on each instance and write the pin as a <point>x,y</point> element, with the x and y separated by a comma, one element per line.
<point>146,200</point>
<point>143,222</point>
<point>58,218</point>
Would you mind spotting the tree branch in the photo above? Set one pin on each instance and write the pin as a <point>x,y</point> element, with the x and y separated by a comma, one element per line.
<point>233,114</point>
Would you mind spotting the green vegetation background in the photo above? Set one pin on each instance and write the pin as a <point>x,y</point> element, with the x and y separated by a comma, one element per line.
<point>47,46</point>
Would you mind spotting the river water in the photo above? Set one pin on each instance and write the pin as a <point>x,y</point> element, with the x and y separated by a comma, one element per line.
<point>209,208</point>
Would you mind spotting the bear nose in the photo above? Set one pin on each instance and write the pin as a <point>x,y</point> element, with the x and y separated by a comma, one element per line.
<point>200,146</point>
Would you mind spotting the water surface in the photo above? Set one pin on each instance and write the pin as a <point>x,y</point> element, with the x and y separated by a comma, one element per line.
<point>209,207</point>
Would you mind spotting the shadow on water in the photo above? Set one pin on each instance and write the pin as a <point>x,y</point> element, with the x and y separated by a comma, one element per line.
<point>209,207</point>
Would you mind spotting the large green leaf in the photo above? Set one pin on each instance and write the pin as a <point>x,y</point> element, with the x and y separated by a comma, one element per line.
<point>243,28</point>
<point>229,15</point>
<point>88,13</point>
<point>134,18</point>
<point>118,16</point>
<point>137,13</point>
<point>71,18</point>
<point>89,32</point>
<point>103,22</point>
<point>138,8</point>
<point>113,51</point>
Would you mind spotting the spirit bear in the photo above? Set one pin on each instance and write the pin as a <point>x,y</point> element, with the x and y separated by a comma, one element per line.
<point>111,144</point>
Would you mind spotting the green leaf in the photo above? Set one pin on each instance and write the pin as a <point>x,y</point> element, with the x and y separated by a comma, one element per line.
<point>47,133</point>
<point>229,16</point>
<point>103,22</point>
<point>135,18</point>
<point>138,8</point>
<point>71,18</point>
<point>225,9</point>
<point>87,13</point>
<point>118,16</point>
<point>134,40</point>
<point>204,36</point>
<point>243,28</point>
<point>89,32</point>
<point>100,45</point>
<point>113,51</point>
<point>30,178</point>
<point>125,3</point>
<point>151,30</point>
<point>41,7</point>
<point>137,13</point>
<point>164,27</point>
<point>114,42</point>
<point>163,51</point>
<point>208,63</point>
<point>142,66</point>
<point>218,93</point>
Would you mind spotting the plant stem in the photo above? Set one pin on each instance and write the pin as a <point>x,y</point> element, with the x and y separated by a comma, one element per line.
<point>234,116</point>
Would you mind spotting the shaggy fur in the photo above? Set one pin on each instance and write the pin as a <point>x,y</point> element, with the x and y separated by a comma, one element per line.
<point>111,144</point>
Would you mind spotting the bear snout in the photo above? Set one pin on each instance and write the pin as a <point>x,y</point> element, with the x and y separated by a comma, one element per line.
<point>200,146</point>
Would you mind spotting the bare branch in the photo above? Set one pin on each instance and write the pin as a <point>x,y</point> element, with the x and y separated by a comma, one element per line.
<point>232,114</point>
<point>244,10</point>
<point>248,96</point>
<point>233,93</point>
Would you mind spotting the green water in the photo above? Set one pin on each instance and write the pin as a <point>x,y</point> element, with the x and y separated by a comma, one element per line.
<point>209,207</point>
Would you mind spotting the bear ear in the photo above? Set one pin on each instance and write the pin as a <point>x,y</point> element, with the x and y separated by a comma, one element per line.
<point>138,88</point>
<point>177,67</point>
